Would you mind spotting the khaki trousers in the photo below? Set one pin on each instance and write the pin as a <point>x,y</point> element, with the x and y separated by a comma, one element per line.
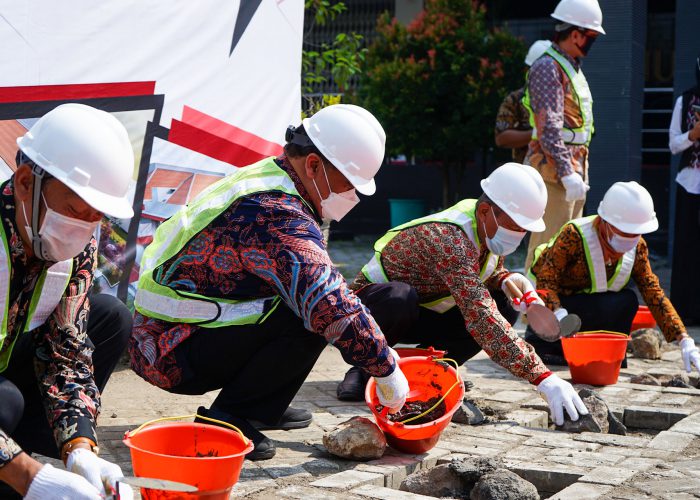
<point>557,213</point>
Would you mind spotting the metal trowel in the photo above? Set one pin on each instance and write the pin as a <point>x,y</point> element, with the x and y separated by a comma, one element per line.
<point>153,484</point>
<point>570,325</point>
<point>542,321</point>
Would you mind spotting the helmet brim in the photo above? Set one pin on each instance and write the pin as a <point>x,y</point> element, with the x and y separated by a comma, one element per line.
<point>599,29</point>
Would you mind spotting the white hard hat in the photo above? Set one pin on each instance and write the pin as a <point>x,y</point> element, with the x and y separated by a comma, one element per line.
<point>630,208</point>
<point>581,13</point>
<point>536,50</point>
<point>89,151</point>
<point>520,192</point>
<point>352,139</point>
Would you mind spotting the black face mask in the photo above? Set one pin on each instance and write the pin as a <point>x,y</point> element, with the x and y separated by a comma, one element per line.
<point>586,45</point>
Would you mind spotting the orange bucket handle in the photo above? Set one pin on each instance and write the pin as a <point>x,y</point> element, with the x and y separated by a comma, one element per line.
<point>609,332</point>
<point>459,381</point>
<point>180,417</point>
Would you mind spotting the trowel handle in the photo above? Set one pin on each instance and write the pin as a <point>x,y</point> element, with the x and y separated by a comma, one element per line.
<point>514,289</point>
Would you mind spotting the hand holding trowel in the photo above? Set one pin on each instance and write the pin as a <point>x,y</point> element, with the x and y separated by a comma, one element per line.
<point>542,321</point>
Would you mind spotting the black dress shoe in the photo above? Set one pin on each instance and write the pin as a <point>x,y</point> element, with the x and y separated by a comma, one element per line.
<point>264,448</point>
<point>292,418</point>
<point>352,388</point>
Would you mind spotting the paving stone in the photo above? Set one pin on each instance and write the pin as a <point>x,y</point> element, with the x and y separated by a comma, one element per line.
<point>529,418</point>
<point>395,468</point>
<point>639,463</point>
<point>509,396</point>
<point>286,470</point>
<point>470,449</point>
<point>245,488</point>
<point>671,441</point>
<point>649,417</point>
<point>583,491</point>
<point>687,426</point>
<point>668,486</point>
<point>639,387</point>
<point>608,475</point>
<point>527,453</point>
<point>681,390</point>
<point>673,400</point>
<point>548,478</point>
<point>349,411</point>
<point>321,466</point>
<point>581,458</point>
<point>387,493</point>
<point>349,479</point>
<point>306,493</point>
<point>562,440</point>
<point>643,396</point>
<point>611,440</point>
<point>430,458</point>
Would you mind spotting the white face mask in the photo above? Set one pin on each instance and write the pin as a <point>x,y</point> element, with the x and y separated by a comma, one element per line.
<point>505,241</point>
<point>62,237</point>
<point>337,205</point>
<point>622,244</point>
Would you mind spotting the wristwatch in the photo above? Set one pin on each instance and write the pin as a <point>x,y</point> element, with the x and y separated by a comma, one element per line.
<point>69,446</point>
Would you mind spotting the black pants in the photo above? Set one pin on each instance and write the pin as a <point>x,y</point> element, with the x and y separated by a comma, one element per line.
<point>686,264</point>
<point>403,320</point>
<point>260,368</point>
<point>613,311</point>
<point>22,413</point>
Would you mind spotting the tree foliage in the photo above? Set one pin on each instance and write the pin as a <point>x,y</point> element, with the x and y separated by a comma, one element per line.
<point>436,84</point>
<point>338,60</point>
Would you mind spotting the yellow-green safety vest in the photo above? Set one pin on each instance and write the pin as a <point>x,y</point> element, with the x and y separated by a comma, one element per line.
<point>594,259</point>
<point>461,215</point>
<point>575,136</point>
<point>177,306</point>
<point>48,291</point>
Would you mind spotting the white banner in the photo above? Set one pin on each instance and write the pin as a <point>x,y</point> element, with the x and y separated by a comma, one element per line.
<point>218,81</point>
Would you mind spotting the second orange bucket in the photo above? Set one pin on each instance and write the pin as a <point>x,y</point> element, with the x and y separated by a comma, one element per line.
<point>595,358</point>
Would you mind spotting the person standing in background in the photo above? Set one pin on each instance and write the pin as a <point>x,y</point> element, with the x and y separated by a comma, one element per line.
<point>561,115</point>
<point>513,128</point>
<point>684,138</point>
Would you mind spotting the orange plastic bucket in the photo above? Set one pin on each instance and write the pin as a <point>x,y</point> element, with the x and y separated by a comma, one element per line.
<point>205,456</point>
<point>432,378</point>
<point>594,358</point>
<point>408,352</point>
<point>643,319</point>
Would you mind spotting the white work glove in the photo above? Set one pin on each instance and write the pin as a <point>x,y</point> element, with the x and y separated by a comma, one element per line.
<point>528,291</point>
<point>559,395</point>
<point>56,484</point>
<point>98,472</point>
<point>392,389</point>
<point>691,357</point>
<point>575,187</point>
<point>561,313</point>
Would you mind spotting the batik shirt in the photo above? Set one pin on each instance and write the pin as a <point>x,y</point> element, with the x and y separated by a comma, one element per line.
<point>439,260</point>
<point>263,245</point>
<point>562,269</point>
<point>554,106</point>
<point>62,351</point>
<point>512,115</point>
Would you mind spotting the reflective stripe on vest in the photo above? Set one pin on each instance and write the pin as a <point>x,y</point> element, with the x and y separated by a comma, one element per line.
<point>576,136</point>
<point>162,302</point>
<point>595,260</point>
<point>48,291</point>
<point>461,215</point>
